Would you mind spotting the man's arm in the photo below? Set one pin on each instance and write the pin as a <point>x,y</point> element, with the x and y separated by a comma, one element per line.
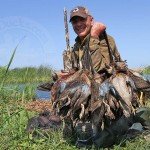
<point>114,48</point>
<point>97,29</point>
<point>100,54</point>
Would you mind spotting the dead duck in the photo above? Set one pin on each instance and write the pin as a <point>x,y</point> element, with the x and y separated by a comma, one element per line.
<point>44,121</point>
<point>75,88</point>
<point>45,86</point>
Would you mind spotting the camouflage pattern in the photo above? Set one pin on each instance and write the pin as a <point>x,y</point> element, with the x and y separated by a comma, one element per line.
<point>67,53</point>
<point>67,60</point>
<point>98,50</point>
<point>100,106</point>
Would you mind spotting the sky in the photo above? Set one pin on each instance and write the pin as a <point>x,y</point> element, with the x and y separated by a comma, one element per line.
<point>38,27</point>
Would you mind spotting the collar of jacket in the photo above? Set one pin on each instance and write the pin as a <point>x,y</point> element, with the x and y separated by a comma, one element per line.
<point>81,43</point>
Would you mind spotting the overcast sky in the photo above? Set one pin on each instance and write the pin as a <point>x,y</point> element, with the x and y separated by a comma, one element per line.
<point>42,24</point>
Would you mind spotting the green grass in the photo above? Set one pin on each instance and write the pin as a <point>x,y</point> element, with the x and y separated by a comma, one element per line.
<point>14,117</point>
<point>146,70</point>
<point>13,122</point>
<point>26,74</point>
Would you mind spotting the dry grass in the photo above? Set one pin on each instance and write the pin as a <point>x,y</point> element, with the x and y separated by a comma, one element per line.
<point>38,106</point>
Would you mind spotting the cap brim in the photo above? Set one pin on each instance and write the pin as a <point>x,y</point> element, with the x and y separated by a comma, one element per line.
<point>78,15</point>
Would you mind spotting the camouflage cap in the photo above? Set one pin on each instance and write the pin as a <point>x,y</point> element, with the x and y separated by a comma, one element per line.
<point>79,11</point>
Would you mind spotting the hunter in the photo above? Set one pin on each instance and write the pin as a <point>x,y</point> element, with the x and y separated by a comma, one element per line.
<point>103,54</point>
<point>93,95</point>
<point>84,26</point>
<point>87,29</point>
<point>91,51</point>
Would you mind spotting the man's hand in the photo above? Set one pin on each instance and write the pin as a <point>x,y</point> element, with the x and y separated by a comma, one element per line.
<point>61,74</point>
<point>97,29</point>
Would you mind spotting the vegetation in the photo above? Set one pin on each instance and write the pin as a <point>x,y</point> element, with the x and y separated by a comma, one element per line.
<point>13,122</point>
<point>146,70</point>
<point>14,116</point>
<point>27,74</point>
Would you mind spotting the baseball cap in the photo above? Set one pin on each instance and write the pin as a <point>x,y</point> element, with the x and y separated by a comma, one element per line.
<point>79,11</point>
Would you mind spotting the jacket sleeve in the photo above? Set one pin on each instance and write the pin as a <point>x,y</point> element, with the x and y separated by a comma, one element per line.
<point>67,60</point>
<point>100,53</point>
<point>114,48</point>
<point>98,60</point>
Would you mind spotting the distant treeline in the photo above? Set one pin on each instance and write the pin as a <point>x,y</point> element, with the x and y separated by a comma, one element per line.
<point>33,74</point>
<point>146,70</point>
<point>26,74</point>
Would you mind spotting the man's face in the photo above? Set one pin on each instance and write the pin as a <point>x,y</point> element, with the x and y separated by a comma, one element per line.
<point>82,26</point>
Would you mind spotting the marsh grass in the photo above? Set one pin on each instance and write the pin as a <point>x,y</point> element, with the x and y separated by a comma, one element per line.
<point>13,135</point>
<point>26,74</point>
<point>14,117</point>
<point>13,121</point>
<point>146,70</point>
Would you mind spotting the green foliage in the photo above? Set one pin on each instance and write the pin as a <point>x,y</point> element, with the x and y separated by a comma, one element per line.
<point>146,70</point>
<point>139,143</point>
<point>14,117</point>
<point>13,121</point>
<point>26,74</point>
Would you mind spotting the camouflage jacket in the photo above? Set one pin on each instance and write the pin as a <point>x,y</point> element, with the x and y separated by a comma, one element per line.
<point>99,53</point>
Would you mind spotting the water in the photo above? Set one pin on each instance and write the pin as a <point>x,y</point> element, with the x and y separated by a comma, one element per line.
<point>146,77</point>
<point>42,95</point>
<point>39,95</point>
<point>45,95</point>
